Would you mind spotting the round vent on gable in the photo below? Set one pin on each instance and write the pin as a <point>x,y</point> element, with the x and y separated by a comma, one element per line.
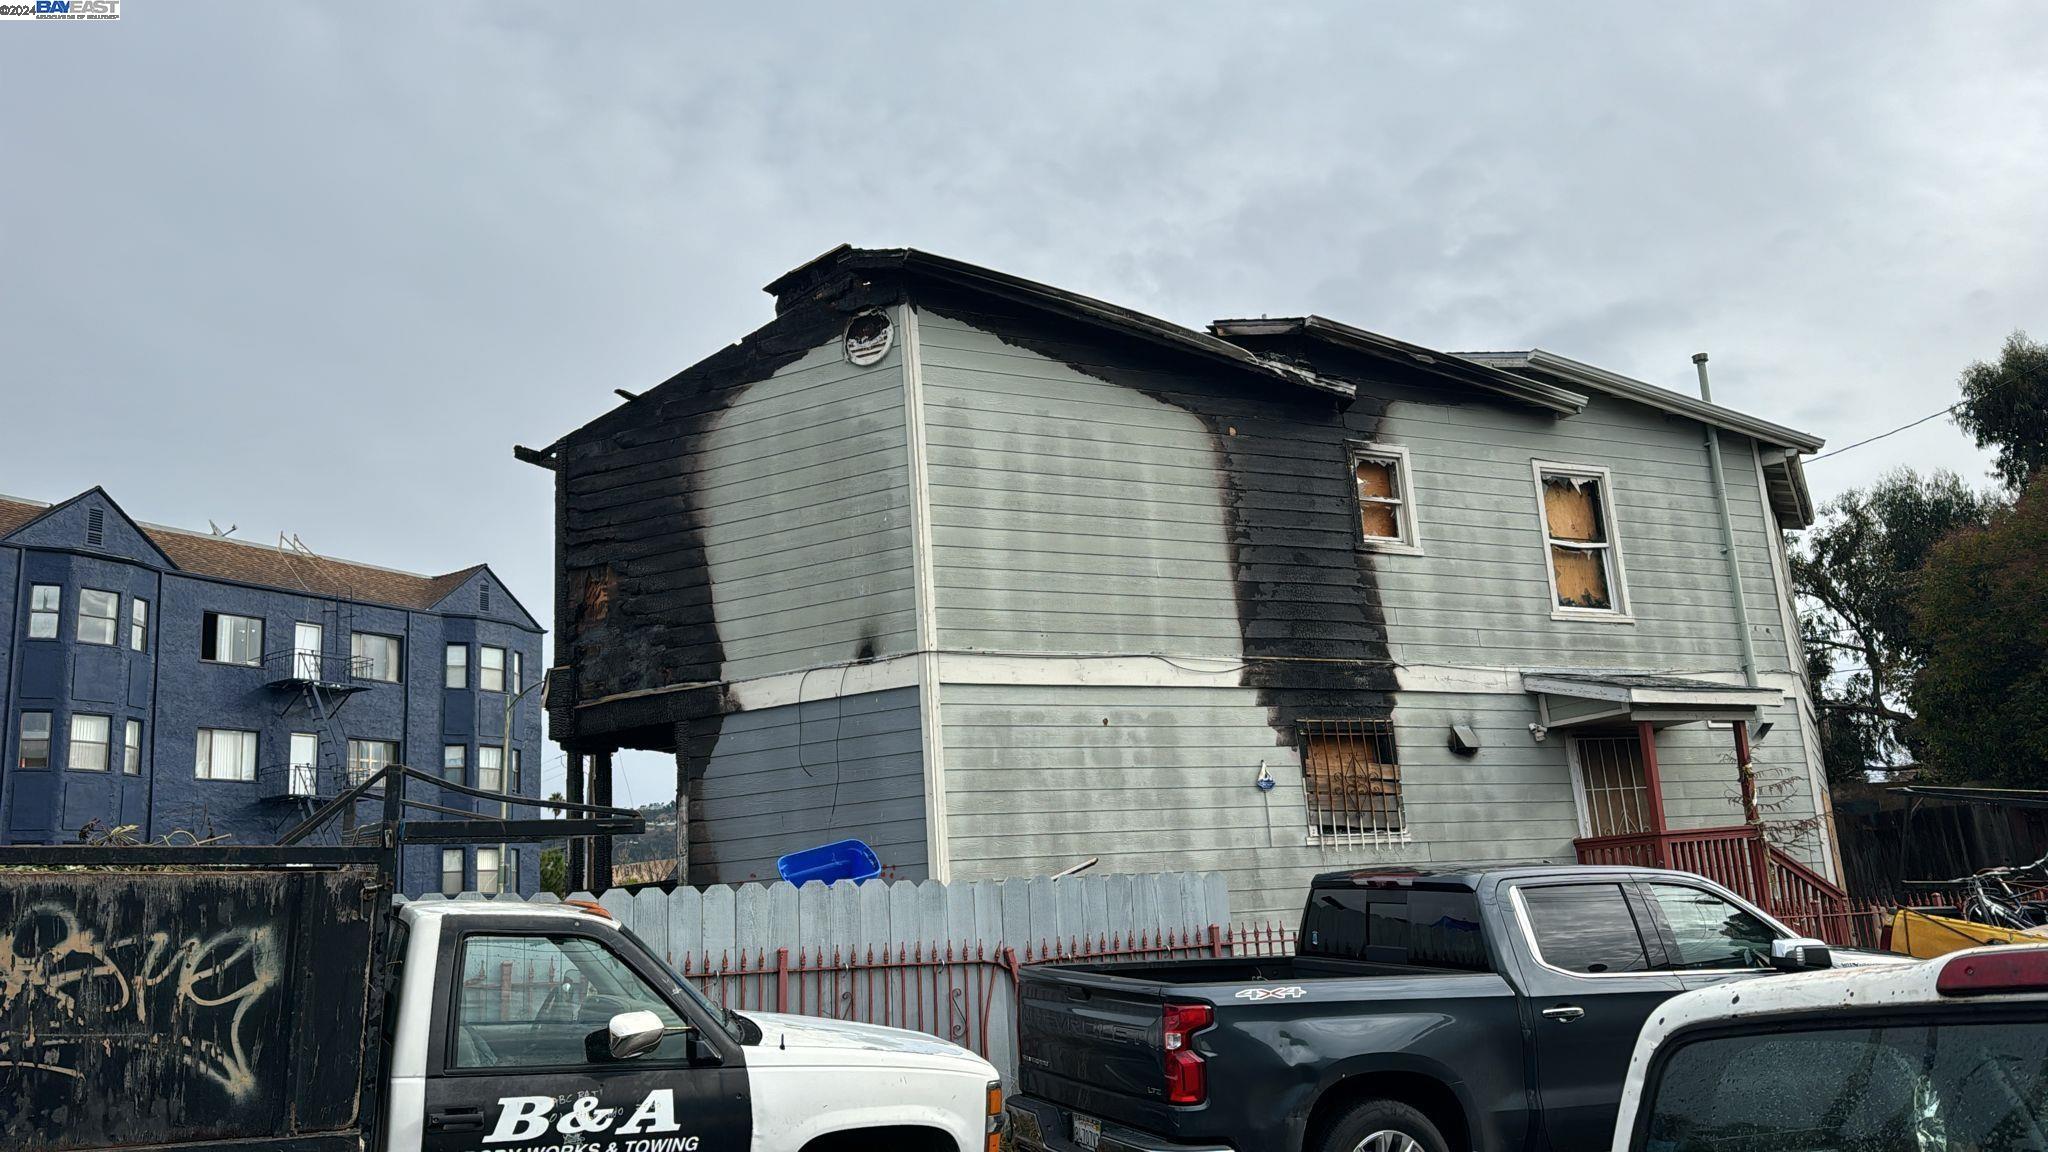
<point>868,338</point>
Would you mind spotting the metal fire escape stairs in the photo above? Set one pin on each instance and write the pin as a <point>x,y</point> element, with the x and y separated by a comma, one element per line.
<point>315,683</point>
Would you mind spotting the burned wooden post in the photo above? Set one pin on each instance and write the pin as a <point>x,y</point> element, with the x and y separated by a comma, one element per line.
<point>579,871</point>
<point>601,846</point>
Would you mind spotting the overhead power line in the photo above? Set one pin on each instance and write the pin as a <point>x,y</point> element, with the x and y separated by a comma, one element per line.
<point>1893,432</point>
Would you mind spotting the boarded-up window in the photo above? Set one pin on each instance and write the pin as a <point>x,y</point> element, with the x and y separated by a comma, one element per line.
<point>1581,548</point>
<point>1386,510</point>
<point>1352,781</point>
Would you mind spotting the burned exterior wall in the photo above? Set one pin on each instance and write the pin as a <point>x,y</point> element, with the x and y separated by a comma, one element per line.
<point>747,517</point>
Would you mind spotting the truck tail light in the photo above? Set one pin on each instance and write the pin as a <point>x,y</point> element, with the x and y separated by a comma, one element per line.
<point>2008,969</point>
<point>1187,1075</point>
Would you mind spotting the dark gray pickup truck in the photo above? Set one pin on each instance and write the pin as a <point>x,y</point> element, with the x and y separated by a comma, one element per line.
<point>1424,1012</point>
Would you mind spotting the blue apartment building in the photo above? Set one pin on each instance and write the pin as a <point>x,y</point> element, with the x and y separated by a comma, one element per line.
<point>189,684</point>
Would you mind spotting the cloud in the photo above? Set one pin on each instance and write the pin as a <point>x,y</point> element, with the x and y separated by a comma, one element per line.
<point>316,269</point>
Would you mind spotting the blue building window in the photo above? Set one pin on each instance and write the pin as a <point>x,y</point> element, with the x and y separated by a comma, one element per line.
<point>455,763</point>
<point>99,616</point>
<point>35,740</point>
<point>45,604</point>
<point>225,754</point>
<point>490,669</point>
<point>368,757</point>
<point>89,742</point>
<point>376,657</point>
<point>138,624</point>
<point>131,749</point>
<point>232,639</point>
<point>451,871</point>
<point>457,666</point>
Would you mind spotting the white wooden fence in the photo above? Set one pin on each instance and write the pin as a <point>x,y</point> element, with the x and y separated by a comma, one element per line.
<point>941,958</point>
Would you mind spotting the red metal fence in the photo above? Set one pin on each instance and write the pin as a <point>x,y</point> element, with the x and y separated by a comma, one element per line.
<point>957,992</point>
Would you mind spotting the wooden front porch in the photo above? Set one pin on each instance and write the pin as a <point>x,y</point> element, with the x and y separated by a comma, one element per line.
<point>1740,858</point>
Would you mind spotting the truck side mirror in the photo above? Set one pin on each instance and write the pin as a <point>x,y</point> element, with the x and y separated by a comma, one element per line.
<point>630,1034</point>
<point>1800,954</point>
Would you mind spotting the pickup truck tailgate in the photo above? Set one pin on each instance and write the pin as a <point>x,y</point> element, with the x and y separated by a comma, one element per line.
<point>1076,1031</point>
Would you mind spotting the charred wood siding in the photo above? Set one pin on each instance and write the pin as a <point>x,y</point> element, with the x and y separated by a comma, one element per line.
<point>748,516</point>
<point>1053,437</point>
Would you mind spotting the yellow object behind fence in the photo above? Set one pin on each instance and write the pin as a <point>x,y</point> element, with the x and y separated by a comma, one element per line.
<point>1926,936</point>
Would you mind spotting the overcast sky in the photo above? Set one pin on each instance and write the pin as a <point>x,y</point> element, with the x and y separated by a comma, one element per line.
<point>317,267</point>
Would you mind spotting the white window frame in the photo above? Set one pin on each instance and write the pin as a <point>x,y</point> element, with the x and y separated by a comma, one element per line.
<point>362,664</point>
<point>455,756</point>
<point>131,748</point>
<point>49,620</point>
<point>222,629</point>
<point>78,743</point>
<point>459,874</point>
<point>484,670</point>
<point>302,770</point>
<point>48,740</point>
<point>111,621</point>
<point>455,666</point>
<point>1410,542</point>
<point>1617,570</point>
<point>209,739</point>
<point>489,878</point>
<point>356,769</point>
<point>138,624</point>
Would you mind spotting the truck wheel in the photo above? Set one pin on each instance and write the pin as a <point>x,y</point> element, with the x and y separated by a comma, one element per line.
<point>1383,1126</point>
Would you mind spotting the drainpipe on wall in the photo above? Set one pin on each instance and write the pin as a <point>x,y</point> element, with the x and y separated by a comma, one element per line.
<point>1744,771</point>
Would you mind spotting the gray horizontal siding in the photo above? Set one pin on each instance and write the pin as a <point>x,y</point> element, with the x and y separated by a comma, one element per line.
<point>805,494</point>
<point>1041,778</point>
<point>797,776</point>
<point>1479,595</point>
<point>1068,514</point>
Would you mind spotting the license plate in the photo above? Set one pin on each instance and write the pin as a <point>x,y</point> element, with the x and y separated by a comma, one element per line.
<point>1087,1132</point>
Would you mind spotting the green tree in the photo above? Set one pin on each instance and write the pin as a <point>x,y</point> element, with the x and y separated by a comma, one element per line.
<point>554,871</point>
<point>1854,573</point>
<point>2005,405</point>
<point>1980,612</point>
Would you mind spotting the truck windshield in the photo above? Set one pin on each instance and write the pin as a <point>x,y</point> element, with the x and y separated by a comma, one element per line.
<point>1918,1085</point>
<point>719,1012</point>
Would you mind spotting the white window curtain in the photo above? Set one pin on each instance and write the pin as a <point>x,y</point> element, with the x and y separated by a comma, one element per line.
<point>238,640</point>
<point>488,876</point>
<point>225,754</point>
<point>89,736</point>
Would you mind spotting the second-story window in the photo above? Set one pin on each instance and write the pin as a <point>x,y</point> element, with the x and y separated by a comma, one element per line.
<point>35,740</point>
<point>99,616</point>
<point>45,604</point>
<point>490,669</point>
<point>138,624</point>
<point>228,639</point>
<point>1577,513</point>
<point>1386,498</point>
<point>457,666</point>
<point>376,657</point>
<point>225,754</point>
<point>88,752</point>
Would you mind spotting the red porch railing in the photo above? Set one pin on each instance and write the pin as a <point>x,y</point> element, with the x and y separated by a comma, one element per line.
<point>1741,860</point>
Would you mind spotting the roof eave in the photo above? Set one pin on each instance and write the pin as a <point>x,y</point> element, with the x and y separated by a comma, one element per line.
<point>1676,402</point>
<point>1058,300</point>
<point>1522,389</point>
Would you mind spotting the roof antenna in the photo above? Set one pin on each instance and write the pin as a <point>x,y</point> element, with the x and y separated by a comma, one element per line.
<point>222,534</point>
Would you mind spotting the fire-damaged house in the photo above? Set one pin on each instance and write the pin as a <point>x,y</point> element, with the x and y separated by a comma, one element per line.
<point>1000,578</point>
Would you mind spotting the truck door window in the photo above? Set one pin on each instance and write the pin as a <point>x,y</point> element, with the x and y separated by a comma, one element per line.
<point>1931,1085</point>
<point>535,1002</point>
<point>1403,926</point>
<point>1585,928</point>
<point>1707,932</point>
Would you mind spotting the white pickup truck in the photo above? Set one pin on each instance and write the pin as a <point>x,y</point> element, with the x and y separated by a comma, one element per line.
<point>1945,1055</point>
<point>289,1006</point>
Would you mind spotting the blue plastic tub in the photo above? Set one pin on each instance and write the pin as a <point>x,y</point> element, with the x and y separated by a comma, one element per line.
<point>840,860</point>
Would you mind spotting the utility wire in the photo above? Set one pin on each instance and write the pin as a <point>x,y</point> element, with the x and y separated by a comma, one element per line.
<point>1893,432</point>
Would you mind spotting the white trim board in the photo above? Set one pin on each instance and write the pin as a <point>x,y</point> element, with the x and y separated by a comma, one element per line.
<point>938,857</point>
